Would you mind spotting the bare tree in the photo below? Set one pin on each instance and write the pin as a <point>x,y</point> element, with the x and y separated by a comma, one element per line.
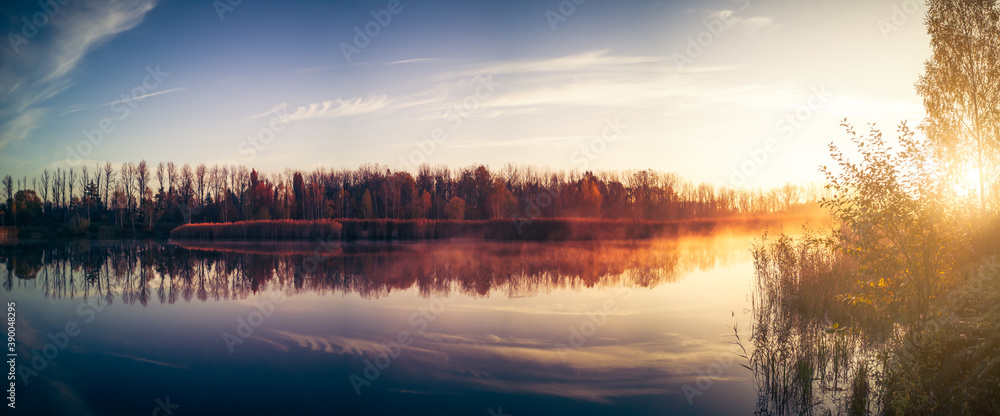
<point>97,182</point>
<point>55,187</point>
<point>159,176</point>
<point>109,179</point>
<point>200,182</point>
<point>142,182</point>
<point>171,177</point>
<point>62,193</point>
<point>127,175</point>
<point>224,202</point>
<point>789,195</point>
<point>45,190</point>
<point>84,181</point>
<point>187,180</point>
<point>8,189</point>
<point>72,181</point>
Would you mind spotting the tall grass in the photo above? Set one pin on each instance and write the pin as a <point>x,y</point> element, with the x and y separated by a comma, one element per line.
<point>813,349</point>
<point>260,230</point>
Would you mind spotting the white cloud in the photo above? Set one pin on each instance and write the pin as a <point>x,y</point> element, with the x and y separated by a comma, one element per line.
<point>337,108</point>
<point>585,62</point>
<point>752,24</point>
<point>92,25</point>
<point>20,127</point>
<point>758,23</point>
<point>42,68</point>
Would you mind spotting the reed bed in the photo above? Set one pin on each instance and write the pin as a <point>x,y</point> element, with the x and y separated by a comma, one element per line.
<point>548,229</point>
<point>272,230</point>
<point>511,229</point>
<point>8,232</point>
<point>812,349</point>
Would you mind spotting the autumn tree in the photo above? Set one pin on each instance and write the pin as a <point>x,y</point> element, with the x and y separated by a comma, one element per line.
<point>365,210</point>
<point>455,210</point>
<point>961,87</point>
<point>502,202</point>
<point>893,214</point>
<point>27,207</point>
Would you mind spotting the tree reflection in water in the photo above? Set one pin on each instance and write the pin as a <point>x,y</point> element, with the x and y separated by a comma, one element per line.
<point>135,272</point>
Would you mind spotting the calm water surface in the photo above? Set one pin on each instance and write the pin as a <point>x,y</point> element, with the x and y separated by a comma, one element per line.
<point>457,327</point>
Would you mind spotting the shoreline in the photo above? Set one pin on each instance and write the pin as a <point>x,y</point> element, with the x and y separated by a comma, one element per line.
<point>547,229</point>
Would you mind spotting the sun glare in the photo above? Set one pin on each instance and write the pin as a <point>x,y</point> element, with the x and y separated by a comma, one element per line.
<point>968,184</point>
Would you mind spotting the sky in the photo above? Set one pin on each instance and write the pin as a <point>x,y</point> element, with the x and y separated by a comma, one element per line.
<point>743,93</point>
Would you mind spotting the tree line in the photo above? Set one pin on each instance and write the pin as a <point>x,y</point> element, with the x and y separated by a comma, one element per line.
<point>141,197</point>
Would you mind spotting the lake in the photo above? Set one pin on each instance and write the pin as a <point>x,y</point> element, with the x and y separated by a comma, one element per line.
<point>465,327</point>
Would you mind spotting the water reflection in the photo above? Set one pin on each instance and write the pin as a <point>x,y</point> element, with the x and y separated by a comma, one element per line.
<point>138,272</point>
<point>510,310</point>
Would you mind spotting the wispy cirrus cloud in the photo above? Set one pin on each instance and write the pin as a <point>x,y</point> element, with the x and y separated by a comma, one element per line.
<point>144,96</point>
<point>43,68</point>
<point>595,78</point>
<point>93,24</point>
<point>600,79</point>
<point>81,107</point>
<point>589,62</point>
<point>20,126</point>
<point>332,108</point>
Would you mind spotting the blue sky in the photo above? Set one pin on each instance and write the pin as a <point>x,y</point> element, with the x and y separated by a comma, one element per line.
<point>702,88</point>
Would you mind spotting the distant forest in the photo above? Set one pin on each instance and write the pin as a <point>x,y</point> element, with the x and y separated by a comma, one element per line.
<point>140,197</point>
